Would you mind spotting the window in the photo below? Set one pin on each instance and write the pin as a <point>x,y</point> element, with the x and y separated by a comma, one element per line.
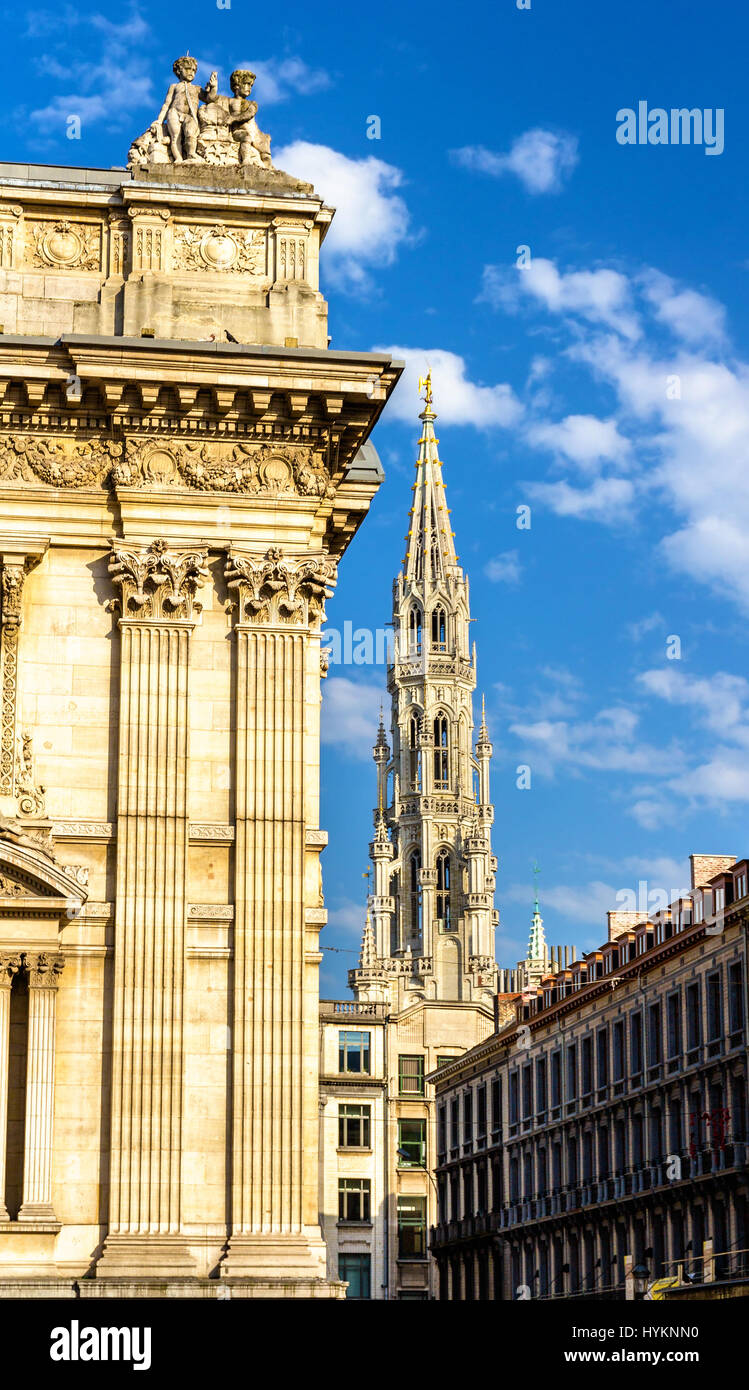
<point>443,1061</point>
<point>527,1092</point>
<point>619,1050</point>
<point>357,1270</point>
<point>439,628</point>
<point>714,1007</point>
<point>587,1065</point>
<point>739,888</point>
<point>496,1104</point>
<point>673,1016</point>
<point>354,1199</point>
<point>414,754</point>
<point>655,1045</point>
<point>513,1098</point>
<point>556,1079</point>
<point>571,1071</point>
<point>354,1122</point>
<point>735,997</point>
<point>443,889</point>
<point>440,752</point>
<point>412,1143</point>
<point>602,1049</point>
<point>635,1044</point>
<point>467,1117</point>
<point>481,1112</point>
<point>412,1228</point>
<point>694,1017</point>
<point>353,1052</point>
<point>441,1130</point>
<point>411,1076</point>
<point>414,631</point>
<point>415,893</point>
<point>541,1086</point>
<point>454,1123</point>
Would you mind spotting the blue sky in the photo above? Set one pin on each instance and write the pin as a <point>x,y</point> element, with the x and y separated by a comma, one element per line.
<point>605,385</point>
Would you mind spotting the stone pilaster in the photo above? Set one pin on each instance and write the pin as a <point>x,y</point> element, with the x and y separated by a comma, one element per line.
<point>158,612</point>
<point>8,969</point>
<point>274,1230</point>
<point>44,977</point>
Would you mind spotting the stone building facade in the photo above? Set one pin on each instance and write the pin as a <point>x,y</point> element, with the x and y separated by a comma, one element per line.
<point>183,461</point>
<point>605,1127</point>
<point>425,983</point>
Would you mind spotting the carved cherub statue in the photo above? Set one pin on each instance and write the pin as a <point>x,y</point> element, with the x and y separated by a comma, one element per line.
<point>235,116</point>
<point>179,112</point>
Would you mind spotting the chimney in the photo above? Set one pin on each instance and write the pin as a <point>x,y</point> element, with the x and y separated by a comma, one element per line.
<point>621,921</point>
<point>706,866</point>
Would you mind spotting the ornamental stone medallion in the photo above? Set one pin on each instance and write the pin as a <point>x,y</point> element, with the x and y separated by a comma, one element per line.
<point>65,245</point>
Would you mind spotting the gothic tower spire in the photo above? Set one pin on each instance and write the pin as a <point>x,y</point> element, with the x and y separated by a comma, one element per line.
<point>432,904</point>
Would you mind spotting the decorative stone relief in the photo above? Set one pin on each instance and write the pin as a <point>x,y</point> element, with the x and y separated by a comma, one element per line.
<point>216,466</point>
<point>10,888</point>
<point>29,795</point>
<point>158,582</point>
<point>119,244</point>
<point>224,467</point>
<point>276,590</point>
<point>10,964</point>
<point>9,221</point>
<point>219,248</point>
<point>79,873</point>
<point>59,462</point>
<point>64,245</point>
<point>149,251</point>
<point>12,585</point>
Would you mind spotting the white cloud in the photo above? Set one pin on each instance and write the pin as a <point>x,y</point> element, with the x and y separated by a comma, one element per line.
<point>541,159</point>
<point>583,439</point>
<point>457,400</point>
<point>106,88</point>
<point>371,221</point>
<point>347,915</point>
<point>642,626</point>
<point>600,296</point>
<point>696,318</point>
<point>280,78</point>
<point>350,714</point>
<point>607,742</point>
<point>504,568</point>
<point>607,499</point>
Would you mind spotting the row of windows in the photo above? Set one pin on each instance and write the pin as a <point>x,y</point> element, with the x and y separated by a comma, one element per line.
<point>438,628</point>
<point>659,1036</point>
<point>355,1207</point>
<point>355,1057</point>
<point>440,756</point>
<point>683,1126</point>
<point>355,1132</point>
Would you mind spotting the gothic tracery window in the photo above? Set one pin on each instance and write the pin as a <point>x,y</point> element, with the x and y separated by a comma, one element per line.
<point>443,889</point>
<point>415,893</point>
<point>414,754</point>
<point>414,631</point>
<point>439,628</point>
<point>441,750</point>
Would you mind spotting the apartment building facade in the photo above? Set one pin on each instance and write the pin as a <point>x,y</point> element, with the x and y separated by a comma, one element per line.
<point>604,1131</point>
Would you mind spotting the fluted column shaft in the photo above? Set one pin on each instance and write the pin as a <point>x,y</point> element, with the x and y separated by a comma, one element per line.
<point>43,977</point>
<point>269,933</point>
<point>8,968</point>
<point>149,947</point>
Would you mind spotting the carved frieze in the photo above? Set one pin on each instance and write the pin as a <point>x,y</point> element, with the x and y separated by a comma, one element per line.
<point>279,590</point>
<point>248,467</point>
<point>219,248</point>
<point>29,794</point>
<point>158,582</point>
<point>10,213</point>
<point>224,467</point>
<point>58,461</point>
<point>63,245</point>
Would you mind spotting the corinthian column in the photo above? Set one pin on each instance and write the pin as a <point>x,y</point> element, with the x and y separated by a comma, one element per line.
<point>8,968</point>
<point>158,611</point>
<point>44,977</point>
<point>274,1228</point>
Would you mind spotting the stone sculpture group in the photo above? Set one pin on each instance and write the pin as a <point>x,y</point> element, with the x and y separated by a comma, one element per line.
<point>197,125</point>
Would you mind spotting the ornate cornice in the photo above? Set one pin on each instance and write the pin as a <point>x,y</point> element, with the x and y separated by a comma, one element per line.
<point>158,583</point>
<point>291,592</point>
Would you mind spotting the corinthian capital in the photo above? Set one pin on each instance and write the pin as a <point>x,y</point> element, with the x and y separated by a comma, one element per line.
<point>158,582</point>
<point>9,966</point>
<point>277,590</point>
<point>44,970</point>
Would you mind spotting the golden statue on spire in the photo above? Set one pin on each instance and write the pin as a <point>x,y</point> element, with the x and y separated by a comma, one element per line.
<point>425,382</point>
